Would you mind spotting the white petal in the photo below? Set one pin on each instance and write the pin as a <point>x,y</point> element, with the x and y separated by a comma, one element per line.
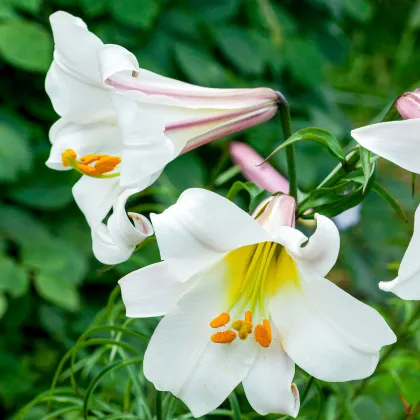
<point>397,141</point>
<point>95,197</point>
<point>105,249</point>
<point>327,332</point>
<point>200,228</point>
<point>321,251</point>
<point>407,284</point>
<point>115,242</point>
<point>182,359</point>
<point>151,291</point>
<point>121,230</point>
<point>268,385</point>
<point>83,139</point>
<point>73,82</point>
<point>145,149</point>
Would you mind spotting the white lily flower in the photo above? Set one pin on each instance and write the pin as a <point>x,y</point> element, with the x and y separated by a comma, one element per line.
<point>399,142</point>
<point>243,302</point>
<point>136,119</point>
<point>115,241</point>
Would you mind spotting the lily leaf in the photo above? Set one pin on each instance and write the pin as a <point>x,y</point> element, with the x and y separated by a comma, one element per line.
<point>256,194</point>
<point>366,165</point>
<point>382,192</point>
<point>318,135</point>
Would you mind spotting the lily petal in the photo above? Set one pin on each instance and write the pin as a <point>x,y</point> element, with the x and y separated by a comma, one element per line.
<point>200,229</point>
<point>396,141</point>
<point>182,359</point>
<point>151,291</point>
<point>321,251</point>
<point>118,240</point>
<point>327,332</point>
<point>145,150</point>
<point>73,82</point>
<point>83,139</point>
<point>268,386</point>
<point>407,284</point>
<point>95,197</point>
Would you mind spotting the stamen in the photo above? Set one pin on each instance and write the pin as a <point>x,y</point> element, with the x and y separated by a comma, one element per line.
<point>263,334</point>
<point>220,321</point>
<point>223,337</point>
<point>102,163</point>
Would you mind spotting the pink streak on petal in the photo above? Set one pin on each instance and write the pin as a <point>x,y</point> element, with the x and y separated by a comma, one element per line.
<point>230,128</point>
<point>200,93</point>
<point>265,176</point>
<point>278,210</point>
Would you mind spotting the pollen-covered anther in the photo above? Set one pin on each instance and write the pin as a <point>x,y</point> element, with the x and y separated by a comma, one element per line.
<point>223,337</point>
<point>68,157</point>
<point>220,321</point>
<point>103,164</point>
<point>263,334</point>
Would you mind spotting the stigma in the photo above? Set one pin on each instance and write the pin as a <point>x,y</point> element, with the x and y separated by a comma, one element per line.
<point>94,165</point>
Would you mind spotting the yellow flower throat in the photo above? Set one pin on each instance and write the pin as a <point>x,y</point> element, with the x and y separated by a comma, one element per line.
<point>255,274</point>
<point>93,165</point>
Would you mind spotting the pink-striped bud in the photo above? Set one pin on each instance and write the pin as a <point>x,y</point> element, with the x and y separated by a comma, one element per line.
<point>408,104</point>
<point>276,211</point>
<point>265,176</point>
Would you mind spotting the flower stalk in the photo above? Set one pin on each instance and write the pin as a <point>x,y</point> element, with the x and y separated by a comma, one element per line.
<point>286,126</point>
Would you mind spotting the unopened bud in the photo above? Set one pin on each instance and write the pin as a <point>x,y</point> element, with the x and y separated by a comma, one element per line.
<point>276,211</point>
<point>408,104</point>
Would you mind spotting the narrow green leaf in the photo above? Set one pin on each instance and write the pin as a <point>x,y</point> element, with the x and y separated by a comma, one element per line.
<point>413,184</point>
<point>366,165</point>
<point>95,382</point>
<point>318,135</point>
<point>234,403</point>
<point>382,192</point>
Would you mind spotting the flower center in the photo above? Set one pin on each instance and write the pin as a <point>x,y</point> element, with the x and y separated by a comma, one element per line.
<point>93,165</point>
<point>255,273</point>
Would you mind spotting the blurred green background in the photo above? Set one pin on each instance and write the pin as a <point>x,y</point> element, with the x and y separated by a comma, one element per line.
<point>339,62</point>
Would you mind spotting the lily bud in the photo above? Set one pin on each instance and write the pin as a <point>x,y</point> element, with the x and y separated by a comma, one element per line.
<point>408,104</point>
<point>265,176</point>
<point>275,212</point>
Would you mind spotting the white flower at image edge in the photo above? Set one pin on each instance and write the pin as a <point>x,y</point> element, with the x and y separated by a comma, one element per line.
<point>399,142</point>
<point>112,109</point>
<point>243,303</point>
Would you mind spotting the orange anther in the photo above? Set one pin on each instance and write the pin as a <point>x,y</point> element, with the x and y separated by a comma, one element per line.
<point>107,164</point>
<point>68,157</point>
<point>223,337</point>
<point>267,327</point>
<point>263,335</point>
<point>248,316</point>
<point>87,159</point>
<point>220,321</point>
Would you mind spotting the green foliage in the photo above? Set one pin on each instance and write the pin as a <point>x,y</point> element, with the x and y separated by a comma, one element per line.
<point>336,69</point>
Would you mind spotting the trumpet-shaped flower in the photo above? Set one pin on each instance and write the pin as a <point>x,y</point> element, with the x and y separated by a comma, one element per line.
<point>127,121</point>
<point>243,300</point>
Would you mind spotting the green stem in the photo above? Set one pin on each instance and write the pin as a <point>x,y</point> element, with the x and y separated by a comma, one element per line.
<point>286,126</point>
<point>339,172</point>
<point>306,390</point>
<point>158,406</point>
